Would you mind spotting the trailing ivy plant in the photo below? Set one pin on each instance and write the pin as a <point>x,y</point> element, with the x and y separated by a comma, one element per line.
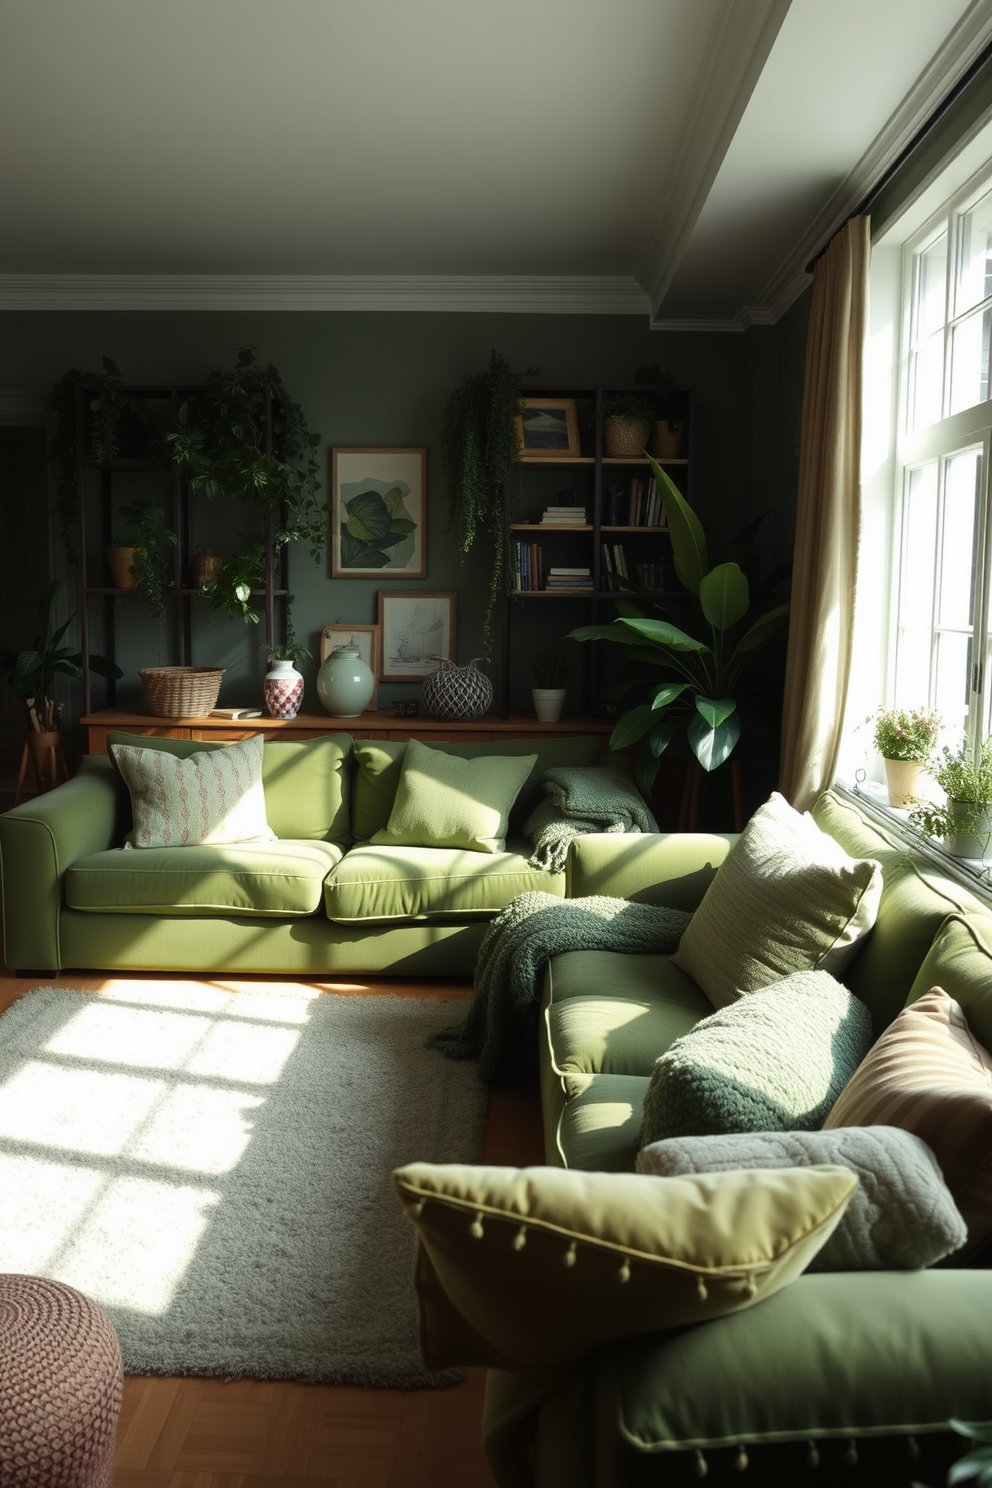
<point>218,445</point>
<point>145,531</point>
<point>478,449</point>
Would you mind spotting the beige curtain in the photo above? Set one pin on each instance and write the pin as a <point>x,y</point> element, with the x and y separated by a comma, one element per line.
<point>828,519</point>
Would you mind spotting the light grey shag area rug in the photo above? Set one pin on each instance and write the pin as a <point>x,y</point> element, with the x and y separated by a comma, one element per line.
<point>213,1168</point>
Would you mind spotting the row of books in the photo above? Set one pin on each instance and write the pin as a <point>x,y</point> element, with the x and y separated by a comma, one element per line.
<point>527,566</point>
<point>640,505</point>
<point>647,575</point>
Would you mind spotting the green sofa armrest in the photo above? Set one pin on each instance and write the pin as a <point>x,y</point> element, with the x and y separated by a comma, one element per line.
<point>39,841</point>
<point>673,868</point>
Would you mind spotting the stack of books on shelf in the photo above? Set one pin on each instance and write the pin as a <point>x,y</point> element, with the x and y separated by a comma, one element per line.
<point>614,565</point>
<point>564,516</point>
<point>639,506</point>
<point>569,578</point>
<point>527,572</point>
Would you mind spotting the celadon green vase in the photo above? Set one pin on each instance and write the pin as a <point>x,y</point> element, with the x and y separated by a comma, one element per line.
<point>345,683</point>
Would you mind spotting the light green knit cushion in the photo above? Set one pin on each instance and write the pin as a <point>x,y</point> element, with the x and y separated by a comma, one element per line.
<point>444,801</point>
<point>787,898</point>
<point>213,796</point>
<point>774,1061</point>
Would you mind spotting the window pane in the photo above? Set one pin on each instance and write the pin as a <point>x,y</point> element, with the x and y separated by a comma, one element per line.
<point>931,288</point>
<point>953,677</point>
<point>970,361</point>
<point>973,284</point>
<point>962,477</point>
<point>919,541</point>
<point>927,369</point>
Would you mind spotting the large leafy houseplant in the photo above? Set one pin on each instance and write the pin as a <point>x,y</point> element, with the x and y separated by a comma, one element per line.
<point>691,689</point>
<point>32,673</point>
<point>479,445</point>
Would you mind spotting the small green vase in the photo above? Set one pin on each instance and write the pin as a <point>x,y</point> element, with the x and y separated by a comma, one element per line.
<point>345,683</point>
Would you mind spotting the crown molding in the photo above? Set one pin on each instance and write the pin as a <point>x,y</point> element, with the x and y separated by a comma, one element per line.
<point>960,50</point>
<point>509,294</point>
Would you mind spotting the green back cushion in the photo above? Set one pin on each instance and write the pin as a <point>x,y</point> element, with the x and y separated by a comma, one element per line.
<point>444,801</point>
<point>307,784</point>
<point>380,762</point>
<point>775,1060</point>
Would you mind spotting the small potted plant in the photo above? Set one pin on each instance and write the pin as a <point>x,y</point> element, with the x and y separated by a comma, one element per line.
<point>628,419</point>
<point>906,739</point>
<point>139,561</point>
<point>964,820</point>
<point>547,675</point>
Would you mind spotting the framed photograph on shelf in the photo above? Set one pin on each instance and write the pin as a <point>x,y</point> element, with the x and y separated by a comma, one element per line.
<point>415,627</point>
<point>548,428</point>
<point>366,638</point>
<point>378,512</point>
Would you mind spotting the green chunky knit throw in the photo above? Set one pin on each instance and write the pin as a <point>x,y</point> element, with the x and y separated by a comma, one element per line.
<point>580,800</point>
<point>500,1029</point>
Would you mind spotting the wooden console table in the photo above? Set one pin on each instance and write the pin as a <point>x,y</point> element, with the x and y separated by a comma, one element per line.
<point>372,725</point>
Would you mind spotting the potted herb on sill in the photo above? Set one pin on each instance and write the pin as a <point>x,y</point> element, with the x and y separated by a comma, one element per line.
<point>547,674</point>
<point>906,739</point>
<point>964,820</point>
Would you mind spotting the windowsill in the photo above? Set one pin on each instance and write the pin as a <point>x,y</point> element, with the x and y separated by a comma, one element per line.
<point>973,873</point>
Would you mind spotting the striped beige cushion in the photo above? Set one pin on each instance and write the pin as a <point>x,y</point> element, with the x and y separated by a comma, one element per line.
<point>929,1074</point>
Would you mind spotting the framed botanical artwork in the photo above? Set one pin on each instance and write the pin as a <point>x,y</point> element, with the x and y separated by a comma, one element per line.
<point>415,627</point>
<point>378,512</point>
<point>366,638</point>
<point>547,428</point>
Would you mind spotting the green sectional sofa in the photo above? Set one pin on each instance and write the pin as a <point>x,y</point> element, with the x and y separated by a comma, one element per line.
<point>320,900</point>
<point>842,1376</point>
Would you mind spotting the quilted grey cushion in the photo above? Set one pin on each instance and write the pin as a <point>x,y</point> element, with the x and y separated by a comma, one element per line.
<point>902,1214</point>
<point>775,1060</point>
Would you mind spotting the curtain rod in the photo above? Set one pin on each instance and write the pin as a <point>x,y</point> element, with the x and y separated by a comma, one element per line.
<point>908,150</point>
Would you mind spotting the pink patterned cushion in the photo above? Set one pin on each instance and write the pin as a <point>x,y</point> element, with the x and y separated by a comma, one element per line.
<point>62,1380</point>
<point>213,796</point>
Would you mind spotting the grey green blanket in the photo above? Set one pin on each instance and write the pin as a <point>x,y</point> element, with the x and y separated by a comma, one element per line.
<point>579,800</point>
<point>500,1027</point>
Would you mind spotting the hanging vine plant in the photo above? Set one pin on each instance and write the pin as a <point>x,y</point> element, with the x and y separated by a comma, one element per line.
<point>218,446</point>
<point>479,447</point>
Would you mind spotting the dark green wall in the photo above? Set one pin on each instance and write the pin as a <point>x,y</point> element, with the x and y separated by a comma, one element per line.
<point>371,378</point>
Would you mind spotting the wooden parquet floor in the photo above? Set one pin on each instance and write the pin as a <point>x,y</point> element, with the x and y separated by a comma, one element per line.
<point>204,1433</point>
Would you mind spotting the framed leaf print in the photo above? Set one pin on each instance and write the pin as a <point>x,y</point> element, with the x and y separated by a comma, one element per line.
<point>378,512</point>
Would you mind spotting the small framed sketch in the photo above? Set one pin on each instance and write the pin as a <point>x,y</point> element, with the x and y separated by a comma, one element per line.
<point>547,428</point>
<point>366,638</point>
<point>378,512</point>
<point>414,628</point>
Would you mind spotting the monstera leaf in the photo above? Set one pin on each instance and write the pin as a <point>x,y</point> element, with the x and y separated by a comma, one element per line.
<point>374,524</point>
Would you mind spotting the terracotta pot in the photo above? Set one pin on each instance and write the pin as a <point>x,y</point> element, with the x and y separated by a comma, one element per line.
<point>120,561</point>
<point>666,442</point>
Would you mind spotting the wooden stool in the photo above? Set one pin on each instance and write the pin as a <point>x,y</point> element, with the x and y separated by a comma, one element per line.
<point>46,754</point>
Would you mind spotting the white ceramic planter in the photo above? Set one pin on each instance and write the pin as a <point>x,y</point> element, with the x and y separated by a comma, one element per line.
<point>970,844</point>
<point>903,780</point>
<point>548,703</point>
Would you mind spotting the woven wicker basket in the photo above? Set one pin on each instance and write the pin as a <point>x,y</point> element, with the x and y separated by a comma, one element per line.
<point>180,692</point>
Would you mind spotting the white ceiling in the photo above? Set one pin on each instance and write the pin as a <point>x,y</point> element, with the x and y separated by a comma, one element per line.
<point>677,158</point>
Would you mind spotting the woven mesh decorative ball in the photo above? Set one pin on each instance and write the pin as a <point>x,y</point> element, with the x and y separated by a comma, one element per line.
<point>456,693</point>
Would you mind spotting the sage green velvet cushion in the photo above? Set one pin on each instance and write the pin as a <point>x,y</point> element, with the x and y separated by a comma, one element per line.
<point>536,1267</point>
<point>773,1061</point>
<point>444,801</point>
<point>271,878</point>
<point>307,783</point>
<point>380,761</point>
<point>389,883</point>
<point>210,797</point>
<point>786,898</point>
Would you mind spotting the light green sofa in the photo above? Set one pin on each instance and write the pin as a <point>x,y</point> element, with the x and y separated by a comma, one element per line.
<point>320,900</point>
<point>853,1371</point>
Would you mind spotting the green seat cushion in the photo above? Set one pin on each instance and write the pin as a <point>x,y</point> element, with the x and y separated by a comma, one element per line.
<point>600,1125</point>
<point>307,784</point>
<point>444,801</point>
<point>380,761</point>
<point>616,1013</point>
<point>272,878</point>
<point>389,883</point>
<point>774,1060</point>
<point>834,1355</point>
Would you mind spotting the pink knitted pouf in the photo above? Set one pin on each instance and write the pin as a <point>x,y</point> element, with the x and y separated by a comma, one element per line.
<point>60,1387</point>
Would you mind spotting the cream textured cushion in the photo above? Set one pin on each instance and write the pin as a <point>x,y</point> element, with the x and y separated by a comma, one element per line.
<point>774,1061</point>
<point>901,1217</point>
<point>929,1074</point>
<point>213,796</point>
<point>445,801</point>
<point>787,898</point>
<point>532,1267</point>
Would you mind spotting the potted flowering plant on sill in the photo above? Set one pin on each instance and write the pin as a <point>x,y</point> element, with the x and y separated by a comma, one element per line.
<point>906,739</point>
